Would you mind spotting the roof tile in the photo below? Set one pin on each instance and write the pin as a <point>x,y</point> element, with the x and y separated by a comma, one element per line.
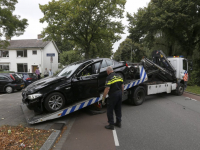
<point>28,43</point>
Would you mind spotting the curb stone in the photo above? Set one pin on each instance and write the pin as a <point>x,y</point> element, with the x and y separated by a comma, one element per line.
<point>192,93</point>
<point>49,143</point>
<point>62,140</point>
<point>51,140</point>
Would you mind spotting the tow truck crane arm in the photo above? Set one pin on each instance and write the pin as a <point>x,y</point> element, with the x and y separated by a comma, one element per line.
<point>154,70</point>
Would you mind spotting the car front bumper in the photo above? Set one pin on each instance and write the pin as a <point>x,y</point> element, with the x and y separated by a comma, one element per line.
<point>31,104</point>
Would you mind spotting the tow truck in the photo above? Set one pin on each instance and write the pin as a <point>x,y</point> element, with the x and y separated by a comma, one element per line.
<point>160,75</point>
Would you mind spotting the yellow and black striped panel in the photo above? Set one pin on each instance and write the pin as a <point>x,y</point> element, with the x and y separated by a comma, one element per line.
<point>114,80</point>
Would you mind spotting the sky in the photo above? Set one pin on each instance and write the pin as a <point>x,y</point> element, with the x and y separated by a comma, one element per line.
<point>30,10</point>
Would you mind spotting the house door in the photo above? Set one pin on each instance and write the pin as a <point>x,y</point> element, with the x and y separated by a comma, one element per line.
<point>34,68</point>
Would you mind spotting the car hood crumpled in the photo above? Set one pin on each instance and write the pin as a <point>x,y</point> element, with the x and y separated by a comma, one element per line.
<point>42,83</point>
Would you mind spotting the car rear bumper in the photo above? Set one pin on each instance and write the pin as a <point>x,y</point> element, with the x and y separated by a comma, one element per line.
<point>19,86</point>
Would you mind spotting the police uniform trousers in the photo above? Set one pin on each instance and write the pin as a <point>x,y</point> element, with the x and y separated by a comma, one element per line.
<point>114,102</point>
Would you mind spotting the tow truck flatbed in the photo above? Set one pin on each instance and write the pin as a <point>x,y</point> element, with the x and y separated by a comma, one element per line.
<point>33,119</point>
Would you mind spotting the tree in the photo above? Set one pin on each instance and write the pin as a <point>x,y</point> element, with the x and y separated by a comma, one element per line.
<point>86,23</point>
<point>10,25</point>
<point>101,49</point>
<point>123,53</point>
<point>177,21</point>
<point>68,57</point>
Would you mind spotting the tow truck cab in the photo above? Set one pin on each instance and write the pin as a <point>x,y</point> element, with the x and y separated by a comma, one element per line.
<point>180,64</point>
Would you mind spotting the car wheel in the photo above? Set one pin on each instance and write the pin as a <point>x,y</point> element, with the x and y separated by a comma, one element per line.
<point>121,75</point>
<point>9,89</point>
<point>54,102</point>
<point>137,97</point>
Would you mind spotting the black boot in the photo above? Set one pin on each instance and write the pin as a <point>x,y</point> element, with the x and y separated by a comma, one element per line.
<point>118,124</point>
<point>111,127</point>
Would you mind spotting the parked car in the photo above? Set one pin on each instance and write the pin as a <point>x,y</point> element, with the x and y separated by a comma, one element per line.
<point>10,82</point>
<point>28,78</point>
<point>78,81</point>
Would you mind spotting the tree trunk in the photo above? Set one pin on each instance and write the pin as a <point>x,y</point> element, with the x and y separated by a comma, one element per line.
<point>87,50</point>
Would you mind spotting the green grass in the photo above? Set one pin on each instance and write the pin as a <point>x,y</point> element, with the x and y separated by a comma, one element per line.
<point>193,89</point>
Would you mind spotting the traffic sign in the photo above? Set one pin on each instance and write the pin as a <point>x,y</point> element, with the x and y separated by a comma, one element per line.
<point>50,54</point>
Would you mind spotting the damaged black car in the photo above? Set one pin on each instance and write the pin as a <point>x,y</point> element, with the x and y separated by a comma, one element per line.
<point>76,82</point>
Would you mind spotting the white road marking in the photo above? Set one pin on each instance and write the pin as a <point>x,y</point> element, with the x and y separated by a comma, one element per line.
<point>194,100</point>
<point>188,98</point>
<point>115,138</point>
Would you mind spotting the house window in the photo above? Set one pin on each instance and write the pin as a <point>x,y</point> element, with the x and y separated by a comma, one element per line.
<point>22,53</point>
<point>4,67</point>
<point>34,52</point>
<point>4,53</point>
<point>22,67</point>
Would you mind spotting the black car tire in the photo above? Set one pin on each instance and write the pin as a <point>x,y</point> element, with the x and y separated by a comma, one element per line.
<point>137,97</point>
<point>9,89</point>
<point>52,100</point>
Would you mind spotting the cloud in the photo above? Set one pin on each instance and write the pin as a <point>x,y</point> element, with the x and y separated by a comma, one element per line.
<point>130,7</point>
<point>30,10</point>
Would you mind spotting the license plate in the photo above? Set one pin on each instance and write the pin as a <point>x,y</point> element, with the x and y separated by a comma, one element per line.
<point>22,85</point>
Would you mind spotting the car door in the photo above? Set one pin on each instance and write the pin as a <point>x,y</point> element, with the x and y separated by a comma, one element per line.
<point>86,85</point>
<point>3,82</point>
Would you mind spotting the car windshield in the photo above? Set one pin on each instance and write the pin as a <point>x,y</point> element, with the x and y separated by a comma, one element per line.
<point>69,70</point>
<point>20,75</point>
<point>16,76</point>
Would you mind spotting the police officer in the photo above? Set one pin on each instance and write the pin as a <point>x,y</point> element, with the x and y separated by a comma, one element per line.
<point>114,88</point>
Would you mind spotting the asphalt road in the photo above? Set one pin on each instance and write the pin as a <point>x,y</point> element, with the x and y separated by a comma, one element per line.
<point>164,122</point>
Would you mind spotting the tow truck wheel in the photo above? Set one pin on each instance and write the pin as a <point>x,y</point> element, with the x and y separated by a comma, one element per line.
<point>137,97</point>
<point>180,89</point>
<point>54,102</point>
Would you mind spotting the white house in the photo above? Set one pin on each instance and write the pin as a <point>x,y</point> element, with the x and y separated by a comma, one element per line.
<point>27,55</point>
